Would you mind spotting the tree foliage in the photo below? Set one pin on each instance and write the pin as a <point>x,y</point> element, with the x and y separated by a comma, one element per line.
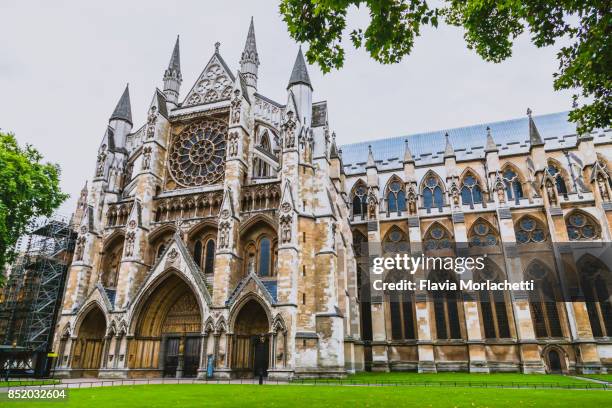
<point>490,27</point>
<point>28,189</point>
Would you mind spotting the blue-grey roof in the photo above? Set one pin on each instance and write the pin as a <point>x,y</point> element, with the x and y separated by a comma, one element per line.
<point>299,74</point>
<point>123,110</point>
<point>511,137</point>
<point>271,286</point>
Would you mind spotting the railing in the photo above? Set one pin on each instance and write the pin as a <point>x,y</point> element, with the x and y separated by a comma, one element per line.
<point>51,383</point>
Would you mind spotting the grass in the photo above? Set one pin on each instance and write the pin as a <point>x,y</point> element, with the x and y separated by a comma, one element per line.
<point>210,395</point>
<point>499,378</point>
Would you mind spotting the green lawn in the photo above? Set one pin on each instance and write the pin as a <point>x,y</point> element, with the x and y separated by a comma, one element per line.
<point>210,395</point>
<point>463,378</point>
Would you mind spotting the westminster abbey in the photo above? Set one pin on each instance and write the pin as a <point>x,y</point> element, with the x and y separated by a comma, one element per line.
<point>229,235</point>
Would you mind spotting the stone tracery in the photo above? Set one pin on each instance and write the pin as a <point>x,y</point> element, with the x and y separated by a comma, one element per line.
<point>197,156</point>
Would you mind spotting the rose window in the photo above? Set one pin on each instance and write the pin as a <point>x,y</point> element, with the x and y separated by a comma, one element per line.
<point>197,156</point>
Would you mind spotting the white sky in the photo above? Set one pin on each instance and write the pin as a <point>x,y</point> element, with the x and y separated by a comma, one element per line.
<point>64,64</point>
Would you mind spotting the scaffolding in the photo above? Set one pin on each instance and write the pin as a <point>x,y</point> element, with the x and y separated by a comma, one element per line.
<point>32,296</point>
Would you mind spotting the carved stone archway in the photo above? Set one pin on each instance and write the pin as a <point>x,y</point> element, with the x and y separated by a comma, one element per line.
<point>251,340</point>
<point>167,333</point>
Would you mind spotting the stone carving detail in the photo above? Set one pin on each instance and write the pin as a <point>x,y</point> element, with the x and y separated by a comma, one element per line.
<point>146,158</point>
<point>79,248</point>
<point>151,121</point>
<point>499,188</point>
<point>267,112</point>
<point>289,131</point>
<point>412,200</point>
<point>232,149</point>
<point>213,85</point>
<point>197,156</point>
<point>285,226</point>
<point>224,235</point>
<point>130,237</point>
<point>101,162</point>
<point>236,107</point>
<point>306,141</point>
<point>603,188</point>
<point>454,192</point>
<point>550,191</point>
<point>372,206</point>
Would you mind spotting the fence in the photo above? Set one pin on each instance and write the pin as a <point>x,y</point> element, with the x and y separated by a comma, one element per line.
<point>579,384</point>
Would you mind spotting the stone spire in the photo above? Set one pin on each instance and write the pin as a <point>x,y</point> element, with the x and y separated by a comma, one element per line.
<point>249,61</point>
<point>407,153</point>
<point>491,146</point>
<point>534,136</point>
<point>172,75</point>
<point>299,74</point>
<point>371,162</point>
<point>448,149</point>
<point>123,110</point>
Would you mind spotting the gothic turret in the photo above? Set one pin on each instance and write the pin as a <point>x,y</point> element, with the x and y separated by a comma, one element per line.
<point>121,119</point>
<point>534,135</point>
<point>172,75</point>
<point>249,62</point>
<point>300,86</point>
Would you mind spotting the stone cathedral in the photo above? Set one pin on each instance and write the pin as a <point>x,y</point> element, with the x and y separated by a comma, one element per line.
<point>229,235</point>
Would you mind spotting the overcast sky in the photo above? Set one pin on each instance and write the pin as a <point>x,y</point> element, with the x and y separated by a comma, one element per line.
<point>64,64</point>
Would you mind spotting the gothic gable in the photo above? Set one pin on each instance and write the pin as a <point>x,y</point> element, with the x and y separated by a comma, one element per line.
<point>214,84</point>
<point>177,258</point>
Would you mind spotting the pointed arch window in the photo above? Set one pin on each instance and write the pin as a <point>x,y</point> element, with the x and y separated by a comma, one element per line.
<point>482,235</point>
<point>204,254</point>
<point>197,253</point>
<point>554,172</point>
<point>360,201</point>
<point>395,242</point>
<point>209,260</point>
<point>493,307</point>
<point>471,192</point>
<point>433,194</point>
<point>514,189</point>
<point>265,257</point>
<point>581,227</point>
<point>446,308</point>
<point>542,302</point>
<point>437,237</point>
<point>529,230</point>
<point>596,285</point>
<point>401,307</point>
<point>396,197</point>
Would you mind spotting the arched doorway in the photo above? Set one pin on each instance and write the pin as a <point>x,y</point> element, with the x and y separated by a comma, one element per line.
<point>251,341</point>
<point>554,362</point>
<point>90,342</point>
<point>168,331</point>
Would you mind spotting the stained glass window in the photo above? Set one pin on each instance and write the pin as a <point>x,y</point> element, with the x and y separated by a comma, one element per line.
<point>514,190</point>
<point>433,195</point>
<point>197,155</point>
<point>470,191</point>
<point>482,235</point>
<point>529,230</point>
<point>580,227</point>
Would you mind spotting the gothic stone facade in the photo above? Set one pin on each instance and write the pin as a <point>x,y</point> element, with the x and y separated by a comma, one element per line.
<point>228,232</point>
